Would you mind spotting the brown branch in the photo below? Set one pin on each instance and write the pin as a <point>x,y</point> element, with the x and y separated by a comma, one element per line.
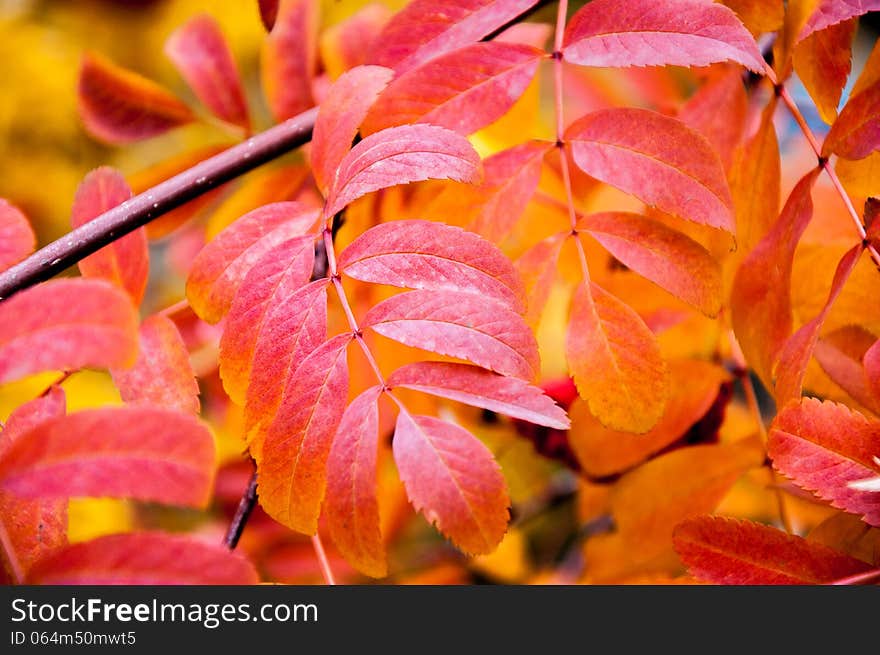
<point>242,513</point>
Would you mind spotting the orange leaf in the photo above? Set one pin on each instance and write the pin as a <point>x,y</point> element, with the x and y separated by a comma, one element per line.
<point>452,478</point>
<point>728,551</point>
<point>694,387</point>
<point>718,111</point>
<point>840,355</point>
<point>824,446</point>
<point>144,558</point>
<point>42,330</point>
<point>119,106</point>
<point>761,295</point>
<point>162,374</point>
<point>856,132</point>
<point>346,44</point>
<point>126,261</point>
<point>352,507</point>
<point>615,361</point>
<point>537,269</point>
<point>823,61</point>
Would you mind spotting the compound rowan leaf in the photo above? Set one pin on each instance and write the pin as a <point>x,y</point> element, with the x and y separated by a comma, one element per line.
<point>718,111</point>
<point>761,296</point>
<point>425,29</point>
<point>266,299</point>
<point>453,480</point>
<point>342,111</point>
<point>126,261</point>
<point>823,61</point>
<point>119,106</point>
<point>352,507</point>
<point>289,58</point>
<point>537,269</point>
<point>141,452</point>
<point>426,255</point>
<point>841,353</point>
<point>666,257</point>
<point>291,328</point>
<point>755,181</point>
<point>221,266</point>
<point>694,387</point>
<point>463,90</point>
<point>144,558</point>
<point>856,132</point>
<point>797,351</point>
<point>823,446</point>
<point>480,388</point>
<point>615,361</point>
<point>399,155</point>
<point>459,325</point>
<point>292,460</point>
<point>42,330</point>
<point>17,239</point>
<point>645,33</point>
<point>730,551</point>
<point>656,158</point>
<point>162,374</point>
<point>831,12</point>
<point>33,527</point>
<point>202,55</point>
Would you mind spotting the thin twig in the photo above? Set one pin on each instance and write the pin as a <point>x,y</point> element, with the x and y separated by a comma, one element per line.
<point>326,571</point>
<point>858,578</point>
<point>242,513</point>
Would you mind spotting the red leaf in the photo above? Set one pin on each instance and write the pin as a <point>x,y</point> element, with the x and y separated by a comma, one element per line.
<point>119,106</point>
<point>718,112</point>
<point>797,351</point>
<point>432,256</point>
<point>841,353</point>
<point>537,268</point>
<point>292,460</point>
<point>615,361</point>
<point>342,111</point>
<point>126,261</point>
<point>658,159</point>
<point>33,527</point>
<point>201,54</point>
<point>666,257</point>
<point>823,446</point>
<point>761,296</point>
<point>728,551</point>
<point>347,43</point>
<point>162,374</point>
<point>42,330</point>
<point>352,508</point>
<point>400,155</point>
<point>459,325</point>
<point>222,265</point>
<point>510,179</point>
<point>425,29</point>
<point>872,369</point>
<point>823,62</point>
<point>856,132</point>
<point>267,306</point>
<point>268,13</point>
<point>831,12</point>
<point>463,90</point>
<point>147,453</point>
<point>289,60</point>
<point>144,558</point>
<point>452,478</point>
<point>645,33</point>
<point>17,239</point>
<point>480,388</point>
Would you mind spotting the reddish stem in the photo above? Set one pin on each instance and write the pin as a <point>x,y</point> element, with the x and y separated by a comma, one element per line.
<point>326,571</point>
<point>858,578</point>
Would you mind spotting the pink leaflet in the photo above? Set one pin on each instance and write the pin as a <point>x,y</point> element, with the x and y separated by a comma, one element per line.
<point>475,386</point>
<point>459,325</point>
<point>222,264</point>
<point>42,330</point>
<point>17,238</point>
<point>351,506</point>
<point>426,255</point>
<point>126,261</point>
<point>425,29</point>
<point>463,90</point>
<point>342,111</point>
<point>831,12</point>
<point>289,58</point>
<point>399,155</point>
<point>656,158</point>
<point>202,55</point>
<point>647,33</point>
